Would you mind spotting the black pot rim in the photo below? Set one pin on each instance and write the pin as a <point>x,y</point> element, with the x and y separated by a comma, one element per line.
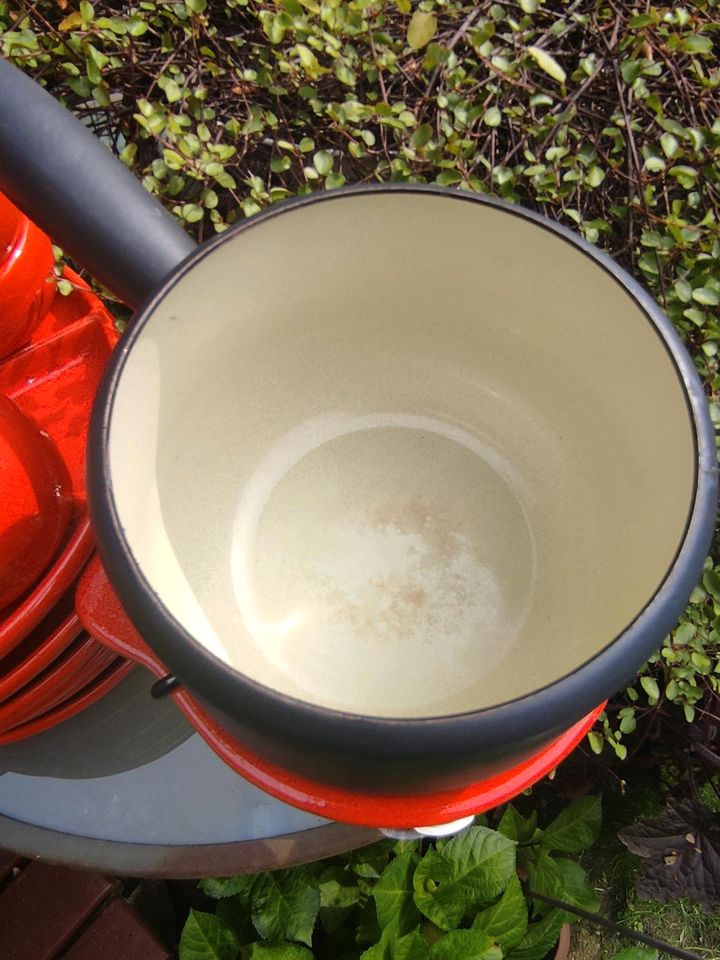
<point>534,717</point>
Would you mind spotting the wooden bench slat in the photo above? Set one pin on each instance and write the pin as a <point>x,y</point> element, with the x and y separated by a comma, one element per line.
<point>117,934</point>
<point>44,907</point>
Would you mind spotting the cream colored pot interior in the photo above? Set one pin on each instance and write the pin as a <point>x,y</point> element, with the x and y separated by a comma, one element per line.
<point>401,454</point>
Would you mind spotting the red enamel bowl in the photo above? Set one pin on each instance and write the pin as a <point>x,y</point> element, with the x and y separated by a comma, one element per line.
<point>36,504</point>
<point>27,287</point>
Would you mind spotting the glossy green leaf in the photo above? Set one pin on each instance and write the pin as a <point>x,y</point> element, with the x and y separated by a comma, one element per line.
<point>575,828</point>
<point>630,70</point>
<point>393,894</point>
<point>655,164</point>
<point>448,178</point>
<point>285,904</point>
<point>711,582</point>
<point>465,945</point>
<point>323,162</point>
<point>683,290</point>
<point>544,877</point>
<point>505,921</point>
<point>207,937</point>
<point>628,724</point>
<point>221,887</point>
<point>412,946</point>
<point>642,20</point>
<point>421,29</point>
<point>697,43</point>
<point>650,686</point>
<point>422,136</point>
<point>547,63</point>
<point>707,296</point>
<point>516,827</point>
<point>466,871</point>
<point>595,176</point>
<point>670,144</point>
<point>539,938</point>
<point>338,887</point>
<point>279,951</point>
<point>345,75</point>
<point>575,886</point>
<point>684,633</point>
<point>334,180</point>
<point>309,61</point>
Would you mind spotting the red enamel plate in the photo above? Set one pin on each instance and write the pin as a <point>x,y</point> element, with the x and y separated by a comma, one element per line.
<point>93,692</point>
<point>36,652</point>
<point>80,664</point>
<point>23,617</point>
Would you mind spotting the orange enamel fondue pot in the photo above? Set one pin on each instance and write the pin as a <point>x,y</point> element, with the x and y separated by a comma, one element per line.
<point>400,482</point>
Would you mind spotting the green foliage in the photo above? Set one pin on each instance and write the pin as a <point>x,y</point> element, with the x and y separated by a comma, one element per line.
<point>506,919</point>
<point>207,937</point>
<point>682,677</point>
<point>285,904</point>
<point>457,898</point>
<point>278,951</point>
<point>212,101</point>
<point>574,829</point>
<point>461,873</point>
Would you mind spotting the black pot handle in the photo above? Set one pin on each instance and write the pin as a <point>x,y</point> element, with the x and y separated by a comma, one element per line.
<point>71,186</point>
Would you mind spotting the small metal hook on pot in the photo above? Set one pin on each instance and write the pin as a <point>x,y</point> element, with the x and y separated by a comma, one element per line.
<point>165,685</point>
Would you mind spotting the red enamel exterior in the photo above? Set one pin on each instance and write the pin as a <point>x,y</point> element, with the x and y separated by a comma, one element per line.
<point>86,697</point>
<point>53,381</point>
<point>36,504</point>
<point>101,613</point>
<point>53,350</point>
<point>40,648</point>
<point>79,665</point>
<point>27,289</point>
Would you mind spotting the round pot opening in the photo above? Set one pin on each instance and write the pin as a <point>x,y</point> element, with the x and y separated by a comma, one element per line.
<point>398,453</point>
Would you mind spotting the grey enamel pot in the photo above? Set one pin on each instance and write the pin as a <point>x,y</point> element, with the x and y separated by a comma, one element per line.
<point>400,482</point>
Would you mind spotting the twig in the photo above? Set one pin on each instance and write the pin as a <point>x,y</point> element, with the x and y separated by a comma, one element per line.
<point>459,33</point>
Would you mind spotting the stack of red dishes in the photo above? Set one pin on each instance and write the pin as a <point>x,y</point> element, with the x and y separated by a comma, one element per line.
<point>53,349</point>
